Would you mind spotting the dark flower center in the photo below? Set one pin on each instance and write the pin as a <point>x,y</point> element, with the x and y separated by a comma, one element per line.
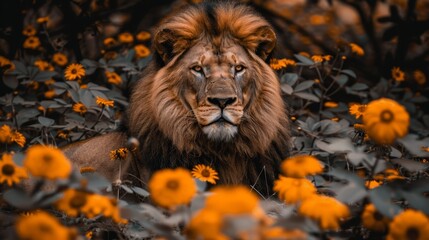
<point>73,71</point>
<point>377,216</point>
<point>43,227</point>
<point>205,173</point>
<point>386,116</point>
<point>412,233</point>
<point>172,184</point>
<point>47,158</point>
<point>8,169</point>
<point>361,109</point>
<point>78,200</point>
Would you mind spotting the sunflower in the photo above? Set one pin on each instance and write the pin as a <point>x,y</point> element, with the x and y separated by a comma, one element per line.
<point>358,50</point>
<point>293,190</point>
<point>18,138</point>
<point>60,59</point>
<point>113,78</point>
<point>397,74</point>
<point>374,220</point>
<point>126,37</point>
<point>29,31</point>
<point>232,200</point>
<point>410,224</point>
<point>317,58</point>
<point>31,42</point>
<point>118,154</point>
<point>419,77</point>
<point>101,205</point>
<point>47,162</point>
<point>143,36</point>
<point>101,102</point>
<point>6,64</point>
<point>43,65</point>
<point>327,211</point>
<point>10,172</point>
<point>172,187</point>
<point>63,134</point>
<point>74,71</point>
<point>301,166</point>
<point>206,224</point>
<point>278,233</point>
<point>41,225</point>
<point>385,120</point>
<point>141,51</point>
<point>109,42</point>
<point>205,173</point>
<point>330,104</point>
<point>372,184</point>
<point>5,134</point>
<point>72,202</point>
<point>80,108</point>
<point>278,64</point>
<point>357,110</point>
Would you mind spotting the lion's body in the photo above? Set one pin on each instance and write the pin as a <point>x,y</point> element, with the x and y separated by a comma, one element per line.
<point>207,97</point>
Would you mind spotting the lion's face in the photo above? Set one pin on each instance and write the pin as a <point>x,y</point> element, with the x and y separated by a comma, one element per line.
<point>217,83</point>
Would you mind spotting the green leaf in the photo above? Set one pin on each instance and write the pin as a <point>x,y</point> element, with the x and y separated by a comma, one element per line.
<point>381,197</point>
<point>96,181</point>
<point>359,86</point>
<point>10,81</point>
<point>307,96</point>
<point>414,145</point>
<point>47,122</point>
<point>341,79</point>
<point>18,198</point>
<point>287,89</point>
<point>289,78</point>
<point>304,60</point>
<point>90,66</point>
<point>201,186</point>
<point>140,191</point>
<point>411,165</point>
<point>44,76</point>
<point>304,85</point>
<point>349,72</point>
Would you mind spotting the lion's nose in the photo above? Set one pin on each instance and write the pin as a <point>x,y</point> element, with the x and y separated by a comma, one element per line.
<point>222,102</point>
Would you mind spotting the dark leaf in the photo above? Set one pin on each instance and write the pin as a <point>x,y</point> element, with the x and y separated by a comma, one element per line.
<point>381,197</point>
<point>307,96</point>
<point>304,85</point>
<point>47,122</point>
<point>411,165</point>
<point>18,198</point>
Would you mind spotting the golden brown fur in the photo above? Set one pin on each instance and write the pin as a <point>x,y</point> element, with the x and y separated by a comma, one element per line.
<point>207,97</point>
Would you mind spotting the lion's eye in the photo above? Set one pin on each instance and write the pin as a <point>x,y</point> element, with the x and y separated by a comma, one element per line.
<point>197,69</point>
<point>239,68</point>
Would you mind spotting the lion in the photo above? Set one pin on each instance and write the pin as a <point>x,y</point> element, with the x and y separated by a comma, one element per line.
<point>207,97</point>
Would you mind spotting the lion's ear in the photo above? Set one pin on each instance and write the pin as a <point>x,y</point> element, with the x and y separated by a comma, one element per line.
<point>262,42</point>
<point>167,43</point>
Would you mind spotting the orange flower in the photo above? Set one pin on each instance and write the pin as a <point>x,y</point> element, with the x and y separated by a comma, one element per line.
<point>41,225</point>
<point>126,37</point>
<point>397,74</point>
<point>232,200</point>
<point>74,71</point>
<point>10,172</point>
<point>32,42</point>
<point>419,77</point>
<point>101,102</point>
<point>204,173</point>
<point>374,220</point>
<point>109,42</point>
<point>357,110</point>
<point>113,78</point>
<point>143,36</point>
<point>141,51</point>
<point>119,154</point>
<point>206,224</point>
<point>6,64</point>
<point>358,50</point>
<point>29,31</point>
<point>301,166</point>
<point>330,104</point>
<point>60,59</point>
<point>43,65</point>
<point>293,190</point>
<point>410,224</point>
<point>79,108</point>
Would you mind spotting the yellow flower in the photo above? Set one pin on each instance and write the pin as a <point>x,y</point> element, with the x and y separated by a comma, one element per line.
<point>110,55</point>
<point>293,190</point>
<point>327,211</point>
<point>10,173</point>
<point>410,224</point>
<point>29,31</point>
<point>172,187</point>
<point>119,154</point>
<point>374,220</point>
<point>141,51</point>
<point>6,64</point>
<point>419,77</point>
<point>278,64</point>
<point>385,120</point>
<point>41,225</point>
<point>206,224</point>
<point>109,42</point>
<point>5,134</point>
<point>101,102</point>
<point>205,173</point>
<point>50,94</point>
<point>79,108</point>
<point>126,37</point>
<point>425,149</point>
<point>63,134</point>
<point>358,50</point>
<point>87,170</point>
<point>232,200</point>
<point>47,162</point>
<point>113,78</point>
<point>101,205</point>
<point>60,59</point>
<point>388,175</point>
<point>43,65</point>
<point>74,71</point>
<point>372,184</point>
<point>143,36</point>
<point>301,166</point>
<point>330,104</point>
<point>18,138</point>
<point>72,202</point>
<point>317,58</point>
<point>357,110</point>
<point>277,233</point>
<point>397,74</point>
<point>31,42</point>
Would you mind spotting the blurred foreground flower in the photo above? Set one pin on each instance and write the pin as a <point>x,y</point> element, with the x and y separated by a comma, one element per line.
<point>327,211</point>
<point>385,120</point>
<point>205,173</point>
<point>293,190</point>
<point>47,162</point>
<point>42,225</point>
<point>74,71</point>
<point>301,166</point>
<point>10,173</point>
<point>410,224</point>
<point>232,200</point>
<point>374,220</point>
<point>172,187</point>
